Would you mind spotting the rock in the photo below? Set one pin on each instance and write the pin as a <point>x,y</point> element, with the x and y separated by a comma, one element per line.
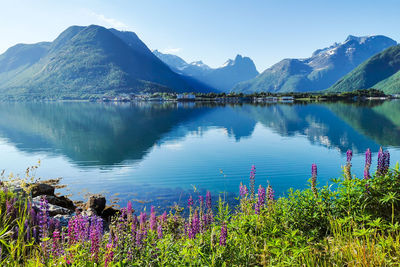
<point>108,213</point>
<point>61,201</point>
<point>63,219</point>
<point>97,203</point>
<point>42,189</point>
<point>89,212</point>
<point>53,209</point>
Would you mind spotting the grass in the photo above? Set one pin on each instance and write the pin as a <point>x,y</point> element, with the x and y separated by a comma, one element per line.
<point>352,222</point>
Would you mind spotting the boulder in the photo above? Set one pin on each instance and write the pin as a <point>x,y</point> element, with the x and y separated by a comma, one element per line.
<point>53,209</point>
<point>63,219</point>
<point>42,189</point>
<point>61,201</point>
<point>108,213</point>
<point>96,203</point>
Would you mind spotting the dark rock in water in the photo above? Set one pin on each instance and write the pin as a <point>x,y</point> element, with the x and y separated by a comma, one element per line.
<point>42,189</point>
<point>108,213</point>
<point>97,203</point>
<point>61,201</point>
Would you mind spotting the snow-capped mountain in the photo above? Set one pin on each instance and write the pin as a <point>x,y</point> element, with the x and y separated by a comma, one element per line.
<point>321,70</point>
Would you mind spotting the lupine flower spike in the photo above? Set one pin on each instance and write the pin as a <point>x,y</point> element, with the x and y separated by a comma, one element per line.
<point>347,168</point>
<point>314,179</point>
<point>252,181</point>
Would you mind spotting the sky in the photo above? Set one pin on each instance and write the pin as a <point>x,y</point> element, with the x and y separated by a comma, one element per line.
<point>209,30</point>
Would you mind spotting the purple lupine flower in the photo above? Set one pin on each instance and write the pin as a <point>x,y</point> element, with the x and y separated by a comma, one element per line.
<point>96,232</point>
<point>386,161</point>
<point>314,170</point>
<point>164,217</point>
<point>223,235</point>
<point>27,229</point>
<point>261,199</point>
<point>190,202</point>
<point>366,173</point>
<point>380,166</point>
<point>201,200</point>
<point>349,155</point>
<point>243,190</point>
<point>109,254</point>
<point>252,180</point>
<point>195,224</point>
<point>208,200</point>
<point>142,219</point>
<point>153,219</point>
<point>129,208</point>
<point>56,248</point>
<point>43,217</point>
<point>159,231</point>
<point>314,179</point>
<point>368,157</point>
<point>270,194</point>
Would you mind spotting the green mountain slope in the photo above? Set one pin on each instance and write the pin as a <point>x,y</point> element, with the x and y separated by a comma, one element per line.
<point>83,62</point>
<point>379,72</point>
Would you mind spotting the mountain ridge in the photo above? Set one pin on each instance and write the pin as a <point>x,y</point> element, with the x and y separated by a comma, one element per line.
<point>222,78</point>
<point>381,71</point>
<point>88,60</point>
<point>321,70</point>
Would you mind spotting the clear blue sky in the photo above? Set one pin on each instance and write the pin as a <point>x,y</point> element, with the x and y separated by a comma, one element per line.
<point>208,30</point>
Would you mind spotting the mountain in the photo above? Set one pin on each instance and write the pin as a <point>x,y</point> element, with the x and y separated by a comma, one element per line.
<point>321,70</point>
<point>382,71</point>
<point>83,62</point>
<point>223,78</point>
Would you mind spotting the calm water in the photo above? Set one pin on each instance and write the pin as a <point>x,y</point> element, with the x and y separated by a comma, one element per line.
<point>156,154</point>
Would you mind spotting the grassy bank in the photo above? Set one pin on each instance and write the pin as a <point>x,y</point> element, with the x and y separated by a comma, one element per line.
<point>352,222</point>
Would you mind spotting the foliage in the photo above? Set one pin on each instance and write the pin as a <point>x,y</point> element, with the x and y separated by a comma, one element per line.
<point>352,222</point>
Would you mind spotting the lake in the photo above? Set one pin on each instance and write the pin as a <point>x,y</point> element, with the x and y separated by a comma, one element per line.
<point>159,153</point>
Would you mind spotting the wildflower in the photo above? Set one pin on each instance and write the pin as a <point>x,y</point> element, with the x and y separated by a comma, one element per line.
<point>27,229</point>
<point>367,164</point>
<point>56,249</point>
<point>201,200</point>
<point>252,180</point>
<point>386,161</point>
<point>261,199</point>
<point>223,235</point>
<point>380,161</point>
<point>314,179</point>
<point>190,202</point>
<point>159,231</point>
<point>164,217</point>
<point>368,157</point>
<point>195,224</point>
<point>109,254</point>
<point>96,231</point>
<point>142,219</point>
<point>208,200</point>
<point>243,190</point>
<point>153,219</point>
<point>383,162</point>
<point>270,194</point>
<point>349,155</point>
<point>43,217</point>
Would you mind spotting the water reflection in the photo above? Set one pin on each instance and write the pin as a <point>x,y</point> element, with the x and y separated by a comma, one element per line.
<point>158,151</point>
<point>92,134</point>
